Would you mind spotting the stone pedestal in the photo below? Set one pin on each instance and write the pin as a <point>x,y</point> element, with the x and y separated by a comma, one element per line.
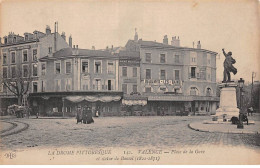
<point>228,100</point>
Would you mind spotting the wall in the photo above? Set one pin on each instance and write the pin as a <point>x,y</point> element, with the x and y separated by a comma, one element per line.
<point>77,76</point>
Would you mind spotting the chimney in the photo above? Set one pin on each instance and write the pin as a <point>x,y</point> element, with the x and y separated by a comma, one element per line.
<point>199,45</point>
<point>75,50</point>
<point>93,47</point>
<point>55,36</point>
<point>112,47</point>
<point>165,39</point>
<point>175,41</point>
<point>136,36</point>
<point>57,26</point>
<point>63,35</point>
<point>70,41</point>
<point>48,30</point>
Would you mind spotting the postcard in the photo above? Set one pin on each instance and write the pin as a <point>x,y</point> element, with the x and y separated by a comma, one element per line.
<point>149,82</point>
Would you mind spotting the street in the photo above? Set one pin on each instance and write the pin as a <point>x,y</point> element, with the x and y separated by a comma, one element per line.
<point>157,131</point>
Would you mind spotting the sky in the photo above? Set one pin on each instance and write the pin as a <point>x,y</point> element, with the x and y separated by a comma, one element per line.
<point>233,25</point>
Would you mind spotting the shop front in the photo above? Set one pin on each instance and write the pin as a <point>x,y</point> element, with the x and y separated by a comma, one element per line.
<point>66,103</point>
<point>204,105</point>
<point>133,105</point>
<point>161,105</point>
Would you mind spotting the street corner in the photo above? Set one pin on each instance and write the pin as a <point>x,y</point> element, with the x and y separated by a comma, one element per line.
<point>224,127</point>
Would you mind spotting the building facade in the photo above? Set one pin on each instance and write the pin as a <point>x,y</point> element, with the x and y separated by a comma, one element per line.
<point>20,59</point>
<point>142,78</point>
<point>76,77</point>
<point>176,80</point>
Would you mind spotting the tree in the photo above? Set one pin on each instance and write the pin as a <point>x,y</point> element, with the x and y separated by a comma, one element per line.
<point>19,82</point>
<point>246,103</point>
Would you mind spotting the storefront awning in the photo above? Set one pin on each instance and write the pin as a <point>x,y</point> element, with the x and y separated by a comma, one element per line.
<point>166,97</point>
<point>77,99</point>
<point>134,102</point>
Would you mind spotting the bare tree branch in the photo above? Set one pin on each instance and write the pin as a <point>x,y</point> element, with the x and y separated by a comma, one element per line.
<point>9,88</point>
<point>19,85</point>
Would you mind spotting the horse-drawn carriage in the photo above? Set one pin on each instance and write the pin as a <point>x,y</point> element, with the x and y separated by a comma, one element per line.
<point>19,111</point>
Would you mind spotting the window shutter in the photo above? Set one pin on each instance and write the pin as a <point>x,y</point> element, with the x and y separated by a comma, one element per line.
<point>189,72</point>
<point>197,73</point>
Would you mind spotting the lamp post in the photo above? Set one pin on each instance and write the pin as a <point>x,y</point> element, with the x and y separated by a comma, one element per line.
<point>240,85</point>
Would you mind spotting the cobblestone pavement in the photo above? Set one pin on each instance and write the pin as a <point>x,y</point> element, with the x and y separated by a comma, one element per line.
<point>166,131</point>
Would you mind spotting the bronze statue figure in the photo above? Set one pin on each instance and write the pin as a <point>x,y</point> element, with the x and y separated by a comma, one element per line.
<point>228,66</point>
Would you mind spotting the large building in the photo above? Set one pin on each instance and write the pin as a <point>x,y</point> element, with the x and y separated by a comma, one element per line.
<point>142,78</point>
<point>176,79</point>
<point>19,59</point>
<point>77,77</point>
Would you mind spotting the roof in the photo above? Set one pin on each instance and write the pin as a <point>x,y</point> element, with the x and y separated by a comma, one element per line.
<point>66,52</point>
<point>19,42</point>
<point>63,52</point>
<point>132,54</point>
<point>144,44</point>
<point>81,52</point>
<point>154,43</point>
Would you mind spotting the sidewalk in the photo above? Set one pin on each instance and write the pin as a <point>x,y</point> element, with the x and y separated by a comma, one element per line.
<point>32,117</point>
<point>225,127</point>
<point>42,117</point>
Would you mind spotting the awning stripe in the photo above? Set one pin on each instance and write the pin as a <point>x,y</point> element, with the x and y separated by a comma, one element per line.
<point>134,102</point>
<point>77,99</point>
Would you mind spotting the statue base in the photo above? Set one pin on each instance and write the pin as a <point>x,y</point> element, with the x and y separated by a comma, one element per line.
<point>228,101</point>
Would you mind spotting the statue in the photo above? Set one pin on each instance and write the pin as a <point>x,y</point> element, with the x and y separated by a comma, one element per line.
<point>228,66</point>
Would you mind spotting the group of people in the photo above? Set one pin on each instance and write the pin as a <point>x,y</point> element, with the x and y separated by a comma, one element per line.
<point>84,115</point>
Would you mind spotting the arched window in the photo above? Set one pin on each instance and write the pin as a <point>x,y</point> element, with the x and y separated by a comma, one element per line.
<point>208,92</point>
<point>194,91</point>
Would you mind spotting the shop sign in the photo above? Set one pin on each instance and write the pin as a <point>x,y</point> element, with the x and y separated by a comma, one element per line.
<point>162,82</point>
<point>129,62</point>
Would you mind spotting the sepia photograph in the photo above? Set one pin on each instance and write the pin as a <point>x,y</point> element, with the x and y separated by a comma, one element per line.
<point>132,82</point>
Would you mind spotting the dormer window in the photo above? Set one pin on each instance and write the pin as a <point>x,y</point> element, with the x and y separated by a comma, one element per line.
<point>36,35</point>
<point>26,37</point>
<point>14,40</point>
<point>5,40</point>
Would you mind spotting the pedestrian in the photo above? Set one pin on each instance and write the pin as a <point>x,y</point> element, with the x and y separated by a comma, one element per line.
<point>37,115</point>
<point>84,115</point>
<point>89,116</point>
<point>79,115</point>
<point>250,110</point>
